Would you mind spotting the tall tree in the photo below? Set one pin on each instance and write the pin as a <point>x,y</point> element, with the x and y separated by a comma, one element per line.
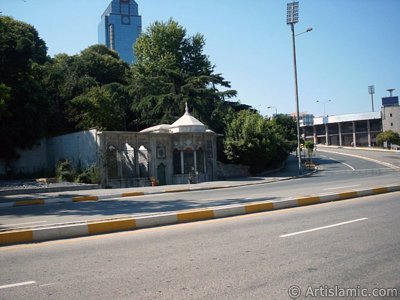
<point>257,142</point>
<point>171,69</point>
<point>79,83</point>
<point>24,103</point>
<point>102,107</point>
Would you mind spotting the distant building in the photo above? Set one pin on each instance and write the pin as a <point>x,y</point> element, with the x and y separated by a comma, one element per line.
<point>357,130</point>
<point>391,113</point>
<point>119,28</point>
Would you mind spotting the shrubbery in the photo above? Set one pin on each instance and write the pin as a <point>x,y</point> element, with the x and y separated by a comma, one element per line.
<point>66,172</point>
<point>388,136</point>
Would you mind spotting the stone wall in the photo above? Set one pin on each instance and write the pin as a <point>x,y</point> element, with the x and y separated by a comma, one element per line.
<point>79,147</point>
<point>231,170</point>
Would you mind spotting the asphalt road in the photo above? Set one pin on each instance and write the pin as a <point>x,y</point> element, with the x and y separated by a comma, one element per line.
<point>337,173</point>
<point>347,244</point>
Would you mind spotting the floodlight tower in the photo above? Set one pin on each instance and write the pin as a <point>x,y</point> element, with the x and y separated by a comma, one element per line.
<point>371,91</point>
<point>391,92</point>
<point>293,18</point>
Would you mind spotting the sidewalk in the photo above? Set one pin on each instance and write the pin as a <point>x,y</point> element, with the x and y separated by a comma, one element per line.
<point>288,172</point>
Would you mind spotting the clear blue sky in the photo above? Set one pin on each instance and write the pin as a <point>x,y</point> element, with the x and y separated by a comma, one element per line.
<point>354,44</point>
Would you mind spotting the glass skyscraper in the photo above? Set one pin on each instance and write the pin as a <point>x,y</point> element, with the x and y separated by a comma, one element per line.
<point>119,28</point>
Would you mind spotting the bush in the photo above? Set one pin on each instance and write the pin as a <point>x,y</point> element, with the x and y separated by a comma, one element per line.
<point>89,175</point>
<point>259,143</point>
<point>388,136</point>
<point>310,148</point>
<point>65,171</point>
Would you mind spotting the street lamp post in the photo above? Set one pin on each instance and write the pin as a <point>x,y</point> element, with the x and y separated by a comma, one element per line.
<point>324,103</point>
<point>293,18</point>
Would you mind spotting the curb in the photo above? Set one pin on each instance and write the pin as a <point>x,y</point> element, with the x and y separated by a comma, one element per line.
<point>123,224</point>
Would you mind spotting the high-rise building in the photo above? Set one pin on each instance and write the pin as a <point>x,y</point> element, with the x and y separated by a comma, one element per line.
<point>119,28</point>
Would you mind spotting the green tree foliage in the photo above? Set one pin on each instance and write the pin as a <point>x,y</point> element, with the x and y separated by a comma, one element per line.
<point>79,85</point>
<point>24,103</point>
<point>170,70</point>
<point>257,142</point>
<point>101,107</point>
<point>388,136</point>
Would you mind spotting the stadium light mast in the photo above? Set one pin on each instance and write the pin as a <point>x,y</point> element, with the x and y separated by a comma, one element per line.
<point>292,18</point>
<point>371,91</point>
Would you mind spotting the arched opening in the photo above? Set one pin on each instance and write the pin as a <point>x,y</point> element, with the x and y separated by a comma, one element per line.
<point>143,160</point>
<point>161,174</point>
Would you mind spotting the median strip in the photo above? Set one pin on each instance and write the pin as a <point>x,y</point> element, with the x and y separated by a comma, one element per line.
<point>29,202</point>
<point>132,194</point>
<point>84,198</point>
<point>111,226</point>
<point>114,225</point>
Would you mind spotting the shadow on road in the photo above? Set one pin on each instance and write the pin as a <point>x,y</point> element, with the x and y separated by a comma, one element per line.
<point>115,207</point>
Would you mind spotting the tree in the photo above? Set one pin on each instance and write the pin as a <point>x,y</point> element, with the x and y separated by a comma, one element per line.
<point>101,107</point>
<point>24,103</point>
<point>79,84</point>
<point>388,136</point>
<point>285,127</point>
<point>171,69</point>
<point>257,142</point>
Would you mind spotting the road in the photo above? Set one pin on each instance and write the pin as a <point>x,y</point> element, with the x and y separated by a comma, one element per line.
<point>348,244</point>
<point>337,173</point>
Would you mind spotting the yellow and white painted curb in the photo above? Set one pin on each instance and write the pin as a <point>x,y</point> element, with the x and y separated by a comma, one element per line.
<point>122,224</point>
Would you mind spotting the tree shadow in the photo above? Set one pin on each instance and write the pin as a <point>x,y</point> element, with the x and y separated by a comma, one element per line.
<point>117,207</point>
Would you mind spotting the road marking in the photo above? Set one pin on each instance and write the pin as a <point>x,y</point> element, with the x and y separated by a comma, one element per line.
<point>365,158</point>
<point>17,284</point>
<point>47,284</point>
<point>347,165</point>
<point>323,227</point>
<point>18,224</point>
<point>341,187</point>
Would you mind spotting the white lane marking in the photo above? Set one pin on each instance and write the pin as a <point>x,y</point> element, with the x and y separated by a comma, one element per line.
<point>341,187</point>
<point>347,165</point>
<point>18,224</point>
<point>16,284</point>
<point>47,284</point>
<point>366,158</point>
<point>323,227</point>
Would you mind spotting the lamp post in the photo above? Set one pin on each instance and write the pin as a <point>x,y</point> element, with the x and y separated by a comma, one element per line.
<point>371,91</point>
<point>324,103</point>
<point>276,110</point>
<point>293,18</point>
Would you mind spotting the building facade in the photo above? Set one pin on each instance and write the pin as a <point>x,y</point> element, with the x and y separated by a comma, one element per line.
<point>119,28</point>
<point>358,130</point>
<point>171,154</point>
<point>391,118</point>
<point>354,130</point>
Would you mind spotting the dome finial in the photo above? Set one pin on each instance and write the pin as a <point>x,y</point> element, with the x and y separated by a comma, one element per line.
<point>186,109</point>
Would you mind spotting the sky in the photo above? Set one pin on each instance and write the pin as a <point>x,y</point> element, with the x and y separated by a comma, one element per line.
<point>353,44</point>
